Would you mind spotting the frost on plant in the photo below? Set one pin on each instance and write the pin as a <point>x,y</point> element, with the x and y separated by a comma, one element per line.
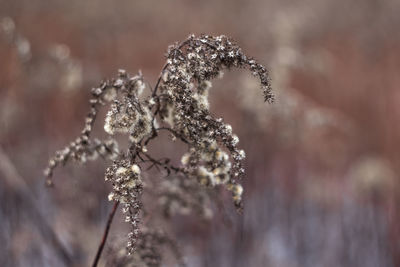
<point>178,104</point>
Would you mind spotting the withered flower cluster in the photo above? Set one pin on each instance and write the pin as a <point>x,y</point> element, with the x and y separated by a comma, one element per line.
<point>148,251</point>
<point>178,104</point>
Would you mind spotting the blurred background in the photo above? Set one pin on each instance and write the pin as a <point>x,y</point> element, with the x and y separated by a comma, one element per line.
<point>322,185</point>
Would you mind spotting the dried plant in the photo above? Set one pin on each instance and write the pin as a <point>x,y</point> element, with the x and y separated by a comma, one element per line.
<point>148,251</point>
<point>178,104</point>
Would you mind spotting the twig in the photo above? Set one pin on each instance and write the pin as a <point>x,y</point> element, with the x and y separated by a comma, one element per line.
<point>159,79</point>
<point>103,240</point>
<point>165,67</point>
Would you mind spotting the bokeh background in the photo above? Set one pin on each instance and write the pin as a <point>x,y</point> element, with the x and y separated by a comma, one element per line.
<point>322,185</point>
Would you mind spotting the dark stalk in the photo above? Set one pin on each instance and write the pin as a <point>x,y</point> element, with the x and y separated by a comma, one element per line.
<point>104,239</point>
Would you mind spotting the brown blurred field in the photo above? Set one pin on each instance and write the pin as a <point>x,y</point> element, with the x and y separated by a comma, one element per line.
<point>322,184</point>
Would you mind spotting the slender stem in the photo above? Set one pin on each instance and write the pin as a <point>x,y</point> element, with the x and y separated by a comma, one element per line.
<point>103,240</point>
<point>165,67</point>
<point>159,79</point>
<point>174,133</point>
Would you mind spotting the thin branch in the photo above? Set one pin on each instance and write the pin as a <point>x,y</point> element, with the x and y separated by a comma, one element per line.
<point>159,79</point>
<point>174,133</point>
<point>168,167</point>
<point>183,43</point>
<point>103,240</point>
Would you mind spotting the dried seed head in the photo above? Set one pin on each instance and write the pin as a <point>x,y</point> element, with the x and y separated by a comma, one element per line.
<point>179,104</point>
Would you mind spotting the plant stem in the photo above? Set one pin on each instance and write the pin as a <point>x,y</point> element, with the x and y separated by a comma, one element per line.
<point>103,240</point>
